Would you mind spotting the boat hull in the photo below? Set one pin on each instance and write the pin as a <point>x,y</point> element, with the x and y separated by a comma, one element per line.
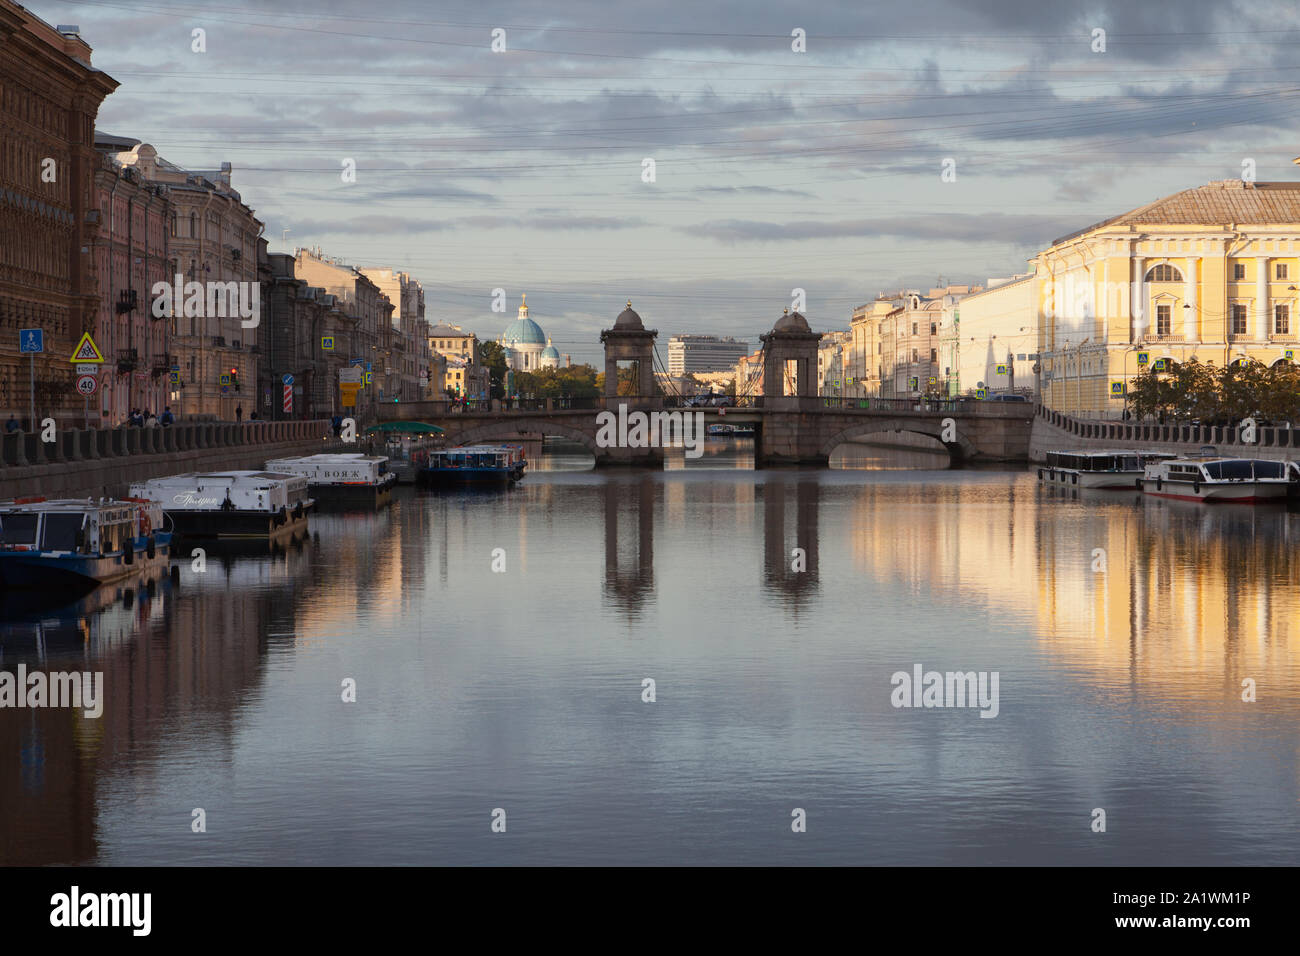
<point>1241,492</point>
<point>1107,480</point>
<point>43,570</point>
<point>358,495</point>
<point>452,477</point>
<point>235,525</point>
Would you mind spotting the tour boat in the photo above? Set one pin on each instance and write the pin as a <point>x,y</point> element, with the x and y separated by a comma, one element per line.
<point>719,430</point>
<point>346,479</point>
<point>1293,479</point>
<point>475,464</point>
<point>1208,478</point>
<point>51,543</point>
<point>233,505</point>
<point>1098,469</point>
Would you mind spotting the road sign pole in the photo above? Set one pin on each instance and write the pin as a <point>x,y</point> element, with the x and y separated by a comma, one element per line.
<point>31,386</point>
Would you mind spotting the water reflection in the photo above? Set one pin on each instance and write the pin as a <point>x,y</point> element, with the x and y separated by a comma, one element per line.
<point>1123,628</point>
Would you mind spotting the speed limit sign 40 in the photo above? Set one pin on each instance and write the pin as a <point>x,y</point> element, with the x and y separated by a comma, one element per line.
<point>86,384</point>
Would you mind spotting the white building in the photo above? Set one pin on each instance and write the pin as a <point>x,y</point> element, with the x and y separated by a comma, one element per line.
<point>703,353</point>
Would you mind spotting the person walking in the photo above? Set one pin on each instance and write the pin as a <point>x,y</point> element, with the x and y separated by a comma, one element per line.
<point>239,413</point>
<point>12,425</point>
<point>167,417</point>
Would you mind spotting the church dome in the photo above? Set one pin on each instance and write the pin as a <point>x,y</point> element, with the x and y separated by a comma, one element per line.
<point>550,352</point>
<point>523,330</point>
<point>628,321</point>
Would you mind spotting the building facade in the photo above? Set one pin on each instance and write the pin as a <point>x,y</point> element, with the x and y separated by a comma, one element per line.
<point>992,342</point>
<point>369,326</point>
<point>703,353</point>
<point>834,363</point>
<point>1209,273</point>
<point>131,251</point>
<point>213,242</point>
<point>463,371</point>
<point>410,357</point>
<point>49,97</point>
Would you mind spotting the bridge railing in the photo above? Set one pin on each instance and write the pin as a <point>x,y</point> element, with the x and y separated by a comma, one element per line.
<point>953,406</point>
<point>1193,435</point>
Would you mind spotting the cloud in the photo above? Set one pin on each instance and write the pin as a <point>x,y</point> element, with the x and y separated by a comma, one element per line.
<point>955,227</point>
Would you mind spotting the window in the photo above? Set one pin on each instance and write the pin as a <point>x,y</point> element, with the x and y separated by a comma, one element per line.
<point>1239,271</point>
<point>932,328</point>
<point>1162,320</point>
<point>915,355</point>
<point>1282,319</point>
<point>1164,273</point>
<point>914,327</point>
<point>1238,319</point>
<point>934,355</point>
<point>1281,270</point>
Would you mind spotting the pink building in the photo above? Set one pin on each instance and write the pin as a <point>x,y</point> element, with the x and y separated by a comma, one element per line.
<point>133,218</point>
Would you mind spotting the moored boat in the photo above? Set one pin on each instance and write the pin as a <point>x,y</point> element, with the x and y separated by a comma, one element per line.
<point>1123,468</point>
<point>721,430</point>
<point>475,465</point>
<point>1215,479</point>
<point>236,505</point>
<point>341,479</point>
<point>54,543</point>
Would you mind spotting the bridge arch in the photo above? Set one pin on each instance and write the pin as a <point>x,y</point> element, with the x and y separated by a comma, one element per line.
<point>961,449</point>
<point>500,430</point>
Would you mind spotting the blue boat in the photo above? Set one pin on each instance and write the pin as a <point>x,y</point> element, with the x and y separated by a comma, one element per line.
<point>474,465</point>
<point>79,542</point>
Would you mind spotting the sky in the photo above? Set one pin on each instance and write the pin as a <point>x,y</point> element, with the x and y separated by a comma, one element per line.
<point>775,169</point>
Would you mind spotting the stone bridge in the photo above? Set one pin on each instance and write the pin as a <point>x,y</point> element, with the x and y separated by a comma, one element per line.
<point>792,425</point>
<point>797,431</point>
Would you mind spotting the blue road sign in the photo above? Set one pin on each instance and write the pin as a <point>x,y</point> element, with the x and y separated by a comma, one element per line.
<point>288,379</point>
<point>31,340</point>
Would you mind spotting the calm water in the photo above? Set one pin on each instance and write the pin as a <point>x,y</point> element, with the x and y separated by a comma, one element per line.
<point>1119,688</point>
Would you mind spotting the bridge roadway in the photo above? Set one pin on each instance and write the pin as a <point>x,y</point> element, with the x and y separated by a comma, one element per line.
<point>788,430</point>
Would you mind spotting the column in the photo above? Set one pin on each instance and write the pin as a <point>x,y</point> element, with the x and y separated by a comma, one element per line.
<point>1189,297</point>
<point>1261,299</point>
<point>1138,300</point>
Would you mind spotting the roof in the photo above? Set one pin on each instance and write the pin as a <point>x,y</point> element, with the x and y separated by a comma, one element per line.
<point>1227,201</point>
<point>628,320</point>
<point>406,427</point>
<point>523,331</point>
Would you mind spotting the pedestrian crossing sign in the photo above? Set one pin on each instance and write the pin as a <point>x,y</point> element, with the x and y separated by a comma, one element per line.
<point>86,350</point>
<point>225,378</point>
<point>1001,370</point>
<point>1116,389</point>
<point>327,343</point>
<point>369,377</point>
<point>981,393</point>
<point>1144,358</point>
<point>1160,365</point>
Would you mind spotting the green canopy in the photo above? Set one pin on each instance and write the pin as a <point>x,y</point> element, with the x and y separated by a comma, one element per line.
<point>406,428</point>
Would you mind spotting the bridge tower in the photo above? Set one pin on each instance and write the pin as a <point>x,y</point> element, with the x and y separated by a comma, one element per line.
<point>630,341</point>
<point>790,346</point>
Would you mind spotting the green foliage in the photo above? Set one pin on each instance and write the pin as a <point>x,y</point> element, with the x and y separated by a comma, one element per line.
<point>1207,393</point>
<point>576,381</point>
<point>493,357</point>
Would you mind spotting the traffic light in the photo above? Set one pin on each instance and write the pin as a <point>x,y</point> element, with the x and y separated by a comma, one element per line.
<point>234,379</point>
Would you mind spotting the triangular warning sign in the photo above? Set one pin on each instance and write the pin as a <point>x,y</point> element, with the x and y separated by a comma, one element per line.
<point>86,350</point>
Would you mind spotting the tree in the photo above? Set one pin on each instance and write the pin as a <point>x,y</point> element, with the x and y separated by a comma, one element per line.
<point>493,356</point>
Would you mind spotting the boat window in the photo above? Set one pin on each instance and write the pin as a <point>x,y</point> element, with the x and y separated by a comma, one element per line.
<point>18,529</point>
<point>1270,469</point>
<point>60,532</point>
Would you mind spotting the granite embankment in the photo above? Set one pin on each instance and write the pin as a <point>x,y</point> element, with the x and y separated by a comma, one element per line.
<point>89,462</point>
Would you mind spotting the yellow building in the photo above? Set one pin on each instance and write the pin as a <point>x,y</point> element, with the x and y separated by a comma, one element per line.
<point>1209,273</point>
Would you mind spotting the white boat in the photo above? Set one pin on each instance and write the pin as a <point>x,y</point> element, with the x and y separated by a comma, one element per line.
<point>231,504</point>
<point>1121,468</point>
<point>349,478</point>
<point>52,543</point>
<point>1211,478</point>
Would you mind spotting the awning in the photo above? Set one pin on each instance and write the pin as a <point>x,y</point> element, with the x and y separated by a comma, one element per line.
<point>406,428</point>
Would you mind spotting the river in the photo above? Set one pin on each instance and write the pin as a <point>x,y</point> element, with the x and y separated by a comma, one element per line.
<point>500,645</point>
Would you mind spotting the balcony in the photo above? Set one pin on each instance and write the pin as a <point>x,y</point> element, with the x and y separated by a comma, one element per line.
<point>127,301</point>
<point>219,341</point>
<point>1283,337</point>
<point>127,360</point>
